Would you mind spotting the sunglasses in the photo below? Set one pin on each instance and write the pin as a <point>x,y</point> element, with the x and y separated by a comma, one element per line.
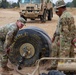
<point>24,22</point>
<point>56,10</point>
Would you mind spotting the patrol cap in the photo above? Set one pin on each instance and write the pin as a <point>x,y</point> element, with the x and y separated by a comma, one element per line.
<point>22,20</point>
<point>60,3</point>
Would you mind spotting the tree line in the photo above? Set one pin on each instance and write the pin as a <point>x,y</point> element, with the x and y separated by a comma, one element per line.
<point>6,4</point>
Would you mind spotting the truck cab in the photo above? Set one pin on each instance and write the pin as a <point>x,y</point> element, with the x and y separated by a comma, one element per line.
<point>33,9</point>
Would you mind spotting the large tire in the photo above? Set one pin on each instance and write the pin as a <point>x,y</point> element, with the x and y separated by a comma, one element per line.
<point>45,39</point>
<point>50,14</point>
<point>23,17</point>
<point>21,42</point>
<point>34,38</point>
<point>55,72</point>
<point>43,17</point>
<point>32,19</point>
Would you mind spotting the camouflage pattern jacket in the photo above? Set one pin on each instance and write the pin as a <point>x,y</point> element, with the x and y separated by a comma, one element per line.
<point>7,33</point>
<point>66,27</point>
<point>67,31</point>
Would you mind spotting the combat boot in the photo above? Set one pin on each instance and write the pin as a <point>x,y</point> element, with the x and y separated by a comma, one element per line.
<point>52,68</point>
<point>4,69</point>
<point>53,65</point>
<point>5,73</point>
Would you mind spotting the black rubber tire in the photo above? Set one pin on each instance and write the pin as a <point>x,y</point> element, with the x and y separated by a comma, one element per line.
<point>32,19</point>
<point>55,72</point>
<point>43,74</point>
<point>35,36</point>
<point>43,17</point>
<point>23,17</point>
<point>70,73</point>
<point>45,39</point>
<point>50,14</point>
<point>15,55</point>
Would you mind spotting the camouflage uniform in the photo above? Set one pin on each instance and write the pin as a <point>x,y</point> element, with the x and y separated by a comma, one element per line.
<point>55,47</point>
<point>66,33</point>
<point>7,34</point>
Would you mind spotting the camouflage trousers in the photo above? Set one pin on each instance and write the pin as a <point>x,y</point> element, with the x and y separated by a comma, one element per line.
<point>64,50</point>
<point>55,52</point>
<point>66,47</point>
<point>3,55</point>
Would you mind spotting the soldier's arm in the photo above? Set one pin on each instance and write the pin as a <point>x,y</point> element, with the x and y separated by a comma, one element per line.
<point>64,25</point>
<point>9,39</point>
<point>56,34</point>
<point>67,24</point>
<point>74,39</point>
<point>68,29</point>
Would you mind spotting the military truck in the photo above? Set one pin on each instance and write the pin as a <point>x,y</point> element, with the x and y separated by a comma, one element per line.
<point>33,9</point>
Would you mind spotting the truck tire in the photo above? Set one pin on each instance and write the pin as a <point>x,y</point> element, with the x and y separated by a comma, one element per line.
<point>55,72</point>
<point>23,17</point>
<point>50,14</point>
<point>45,39</point>
<point>23,41</point>
<point>32,19</point>
<point>43,17</point>
<point>32,39</point>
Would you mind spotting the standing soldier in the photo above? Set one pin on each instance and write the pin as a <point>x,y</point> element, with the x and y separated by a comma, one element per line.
<point>65,33</point>
<point>7,34</point>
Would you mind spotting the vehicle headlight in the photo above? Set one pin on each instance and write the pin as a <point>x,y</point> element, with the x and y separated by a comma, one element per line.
<point>23,11</point>
<point>39,6</point>
<point>36,6</point>
<point>36,11</point>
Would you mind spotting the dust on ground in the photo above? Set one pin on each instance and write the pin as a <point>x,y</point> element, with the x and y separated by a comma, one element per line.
<point>11,15</point>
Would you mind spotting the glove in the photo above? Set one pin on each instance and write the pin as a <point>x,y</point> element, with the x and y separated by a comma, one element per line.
<point>58,43</point>
<point>53,39</point>
<point>7,50</point>
<point>74,42</point>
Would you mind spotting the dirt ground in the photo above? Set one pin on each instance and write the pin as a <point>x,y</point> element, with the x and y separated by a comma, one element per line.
<point>11,15</point>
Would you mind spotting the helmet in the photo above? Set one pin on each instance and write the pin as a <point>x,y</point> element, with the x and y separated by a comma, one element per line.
<point>60,3</point>
<point>22,20</point>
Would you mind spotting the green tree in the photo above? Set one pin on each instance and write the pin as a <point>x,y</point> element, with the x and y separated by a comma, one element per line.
<point>74,3</point>
<point>4,4</point>
<point>18,3</point>
<point>0,5</point>
<point>69,4</point>
<point>14,5</point>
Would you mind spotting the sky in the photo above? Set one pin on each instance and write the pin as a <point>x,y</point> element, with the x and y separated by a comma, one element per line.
<point>52,0</point>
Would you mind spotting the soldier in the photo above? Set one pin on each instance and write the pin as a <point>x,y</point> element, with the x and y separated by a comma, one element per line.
<point>65,33</point>
<point>7,34</point>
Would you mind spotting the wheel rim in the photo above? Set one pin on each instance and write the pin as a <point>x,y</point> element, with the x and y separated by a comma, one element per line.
<point>30,50</point>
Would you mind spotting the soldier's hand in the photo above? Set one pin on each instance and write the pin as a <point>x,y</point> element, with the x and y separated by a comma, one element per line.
<point>74,42</point>
<point>53,39</point>
<point>7,50</point>
<point>58,43</point>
